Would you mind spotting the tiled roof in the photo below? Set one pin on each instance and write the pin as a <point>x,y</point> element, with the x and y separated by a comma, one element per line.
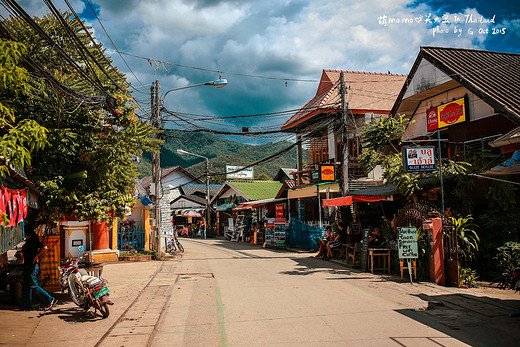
<point>492,76</point>
<point>366,92</point>
<point>257,190</point>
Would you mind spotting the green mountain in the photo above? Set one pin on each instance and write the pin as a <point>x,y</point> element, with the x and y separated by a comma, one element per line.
<point>221,152</point>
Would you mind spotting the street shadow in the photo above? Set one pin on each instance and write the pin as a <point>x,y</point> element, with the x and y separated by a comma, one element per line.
<point>475,320</point>
<point>77,315</point>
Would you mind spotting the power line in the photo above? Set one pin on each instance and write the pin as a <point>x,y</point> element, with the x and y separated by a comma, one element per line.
<point>151,60</point>
<point>113,44</point>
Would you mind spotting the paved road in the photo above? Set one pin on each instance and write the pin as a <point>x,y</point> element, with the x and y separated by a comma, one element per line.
<point>221,293</point>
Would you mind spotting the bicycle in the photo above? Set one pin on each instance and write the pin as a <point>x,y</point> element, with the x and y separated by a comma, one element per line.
<point>173,245</point>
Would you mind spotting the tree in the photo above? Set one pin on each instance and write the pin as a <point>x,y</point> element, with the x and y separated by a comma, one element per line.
<point>381,142</point>
<point>93,133</point>
<point>20,136</point>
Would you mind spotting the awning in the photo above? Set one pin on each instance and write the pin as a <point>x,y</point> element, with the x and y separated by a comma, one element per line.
<point>256,203</point>
<point>181,211</point>
<point>347,200</point>
<point>310,191</point>
<point>509,167</point>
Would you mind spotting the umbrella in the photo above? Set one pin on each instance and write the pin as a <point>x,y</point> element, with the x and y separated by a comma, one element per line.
<point>191,214</point>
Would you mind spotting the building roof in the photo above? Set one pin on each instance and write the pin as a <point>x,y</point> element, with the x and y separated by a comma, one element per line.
<point>253,190</point>
<point>493,76</point>
<point>284,172</point>
<point>512,137</point>
<point>366,92</point>
<point>191,189</point>
<point>194,198</point>
<point>147,181</point>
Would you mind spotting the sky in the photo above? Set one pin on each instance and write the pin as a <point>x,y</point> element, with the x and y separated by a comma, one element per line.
<point>288,41</point>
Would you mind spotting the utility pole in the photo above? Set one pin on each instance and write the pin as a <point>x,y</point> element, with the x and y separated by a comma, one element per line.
<point>344,136</point>
<point>156,164</point>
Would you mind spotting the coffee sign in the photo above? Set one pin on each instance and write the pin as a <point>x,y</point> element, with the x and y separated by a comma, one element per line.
<point>407,243</point>
<point>445,115</point>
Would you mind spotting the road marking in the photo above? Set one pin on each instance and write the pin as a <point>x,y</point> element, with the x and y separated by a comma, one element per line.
<point>220,307</point>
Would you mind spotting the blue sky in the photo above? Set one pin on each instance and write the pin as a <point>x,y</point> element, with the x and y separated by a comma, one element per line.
<point>281,39</point>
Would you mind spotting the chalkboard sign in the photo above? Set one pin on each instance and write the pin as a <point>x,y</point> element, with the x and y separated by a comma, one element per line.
<point>355,228</point>
<point>407,243</point>
<point>364,250</point>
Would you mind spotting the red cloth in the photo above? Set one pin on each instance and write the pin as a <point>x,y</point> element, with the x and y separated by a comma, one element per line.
<point>9,206</point>
<point>343,201</point>
<point>2,201</point>
<point>348,200</point>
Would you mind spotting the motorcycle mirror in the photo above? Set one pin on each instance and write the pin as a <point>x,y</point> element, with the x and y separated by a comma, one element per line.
<point>81,248</point>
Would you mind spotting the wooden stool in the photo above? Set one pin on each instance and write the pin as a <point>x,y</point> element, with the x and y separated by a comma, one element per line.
<point>382,253</point>
<point>413,267</point>
<point>259,237</point>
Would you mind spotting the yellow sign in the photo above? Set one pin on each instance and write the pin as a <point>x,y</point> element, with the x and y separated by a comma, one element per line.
<point>451,113</point>
<point>327,173</point>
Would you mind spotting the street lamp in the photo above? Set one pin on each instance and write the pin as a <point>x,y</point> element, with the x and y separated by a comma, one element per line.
<point>220,83</point>
<point>208,212</point>
<point>155,119</point>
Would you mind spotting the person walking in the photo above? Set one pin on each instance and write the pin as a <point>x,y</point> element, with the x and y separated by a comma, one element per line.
<point>31,252</point>
<point>203,228</point>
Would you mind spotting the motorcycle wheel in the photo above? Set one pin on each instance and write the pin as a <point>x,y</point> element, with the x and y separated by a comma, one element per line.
<point>103,308</point>
<point>76,291</point>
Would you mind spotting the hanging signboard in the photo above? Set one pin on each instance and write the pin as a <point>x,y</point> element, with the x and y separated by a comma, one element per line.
<point>447,114</point>
<point>239,172</point>
<point>407,243</point>
<point>327,173</point>
<point>419,159</point>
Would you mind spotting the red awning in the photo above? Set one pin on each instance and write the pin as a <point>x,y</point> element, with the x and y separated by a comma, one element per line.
<point>347,200</point>
<point>343,201</point>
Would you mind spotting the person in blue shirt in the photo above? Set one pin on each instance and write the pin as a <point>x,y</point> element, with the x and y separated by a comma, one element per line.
<point>31,252</point>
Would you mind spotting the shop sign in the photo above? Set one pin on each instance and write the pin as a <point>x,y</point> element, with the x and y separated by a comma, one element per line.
<point>233,172</point>
<point>279,211</point>
<point>407,243</point>
<point>447,114</point>
<point>327,173</point>
<point>419,159</point>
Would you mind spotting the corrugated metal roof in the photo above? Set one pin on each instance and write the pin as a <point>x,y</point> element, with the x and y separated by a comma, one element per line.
<point>367,92</point>
<point>380,190</point>
<point>492,76</point>
<point>257,190</point>
<point>190,189</point>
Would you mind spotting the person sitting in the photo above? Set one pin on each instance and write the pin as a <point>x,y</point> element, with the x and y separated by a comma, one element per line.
<point>252,231</point>
<point>322,243</point>
<point>376,239</point>
<point>339,238</point>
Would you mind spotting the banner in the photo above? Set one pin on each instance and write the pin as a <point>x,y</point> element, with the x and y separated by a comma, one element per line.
<point>447,114</point>
<point>14,204</point>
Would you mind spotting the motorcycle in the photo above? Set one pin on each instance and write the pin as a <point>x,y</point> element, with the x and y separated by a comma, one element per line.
<point>85,290</point>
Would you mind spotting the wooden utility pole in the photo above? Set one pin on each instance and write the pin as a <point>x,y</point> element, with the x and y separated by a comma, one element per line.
<point>156,165</point>
<point>344,137</point>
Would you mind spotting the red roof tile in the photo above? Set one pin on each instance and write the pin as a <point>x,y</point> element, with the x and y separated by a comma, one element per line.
<point>366,92</point>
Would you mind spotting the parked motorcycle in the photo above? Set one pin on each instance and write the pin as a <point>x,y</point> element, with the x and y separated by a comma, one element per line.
<point>85,290</point>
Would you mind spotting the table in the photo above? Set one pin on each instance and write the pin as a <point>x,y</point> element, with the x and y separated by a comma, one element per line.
<point>379,253</point>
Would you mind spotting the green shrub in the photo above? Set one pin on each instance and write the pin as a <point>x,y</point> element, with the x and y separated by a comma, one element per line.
<point>468,277</point>
<point>507,258</point>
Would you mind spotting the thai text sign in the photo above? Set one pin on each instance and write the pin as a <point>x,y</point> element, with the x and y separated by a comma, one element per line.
<point>407,243</point>
<point>233,172</point>
<point>419,159</point>
<point>279,211</point>
<point>446,114</point>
